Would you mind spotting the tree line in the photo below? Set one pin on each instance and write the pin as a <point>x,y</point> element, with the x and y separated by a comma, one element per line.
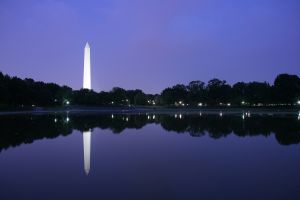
<point>285,90</point>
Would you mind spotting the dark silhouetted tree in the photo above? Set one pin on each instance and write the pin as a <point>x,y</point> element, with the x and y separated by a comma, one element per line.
<point>287,88</point>
<point>218,91</point>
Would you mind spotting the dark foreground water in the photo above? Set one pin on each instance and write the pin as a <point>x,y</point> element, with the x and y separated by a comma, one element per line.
<point>172,156</point>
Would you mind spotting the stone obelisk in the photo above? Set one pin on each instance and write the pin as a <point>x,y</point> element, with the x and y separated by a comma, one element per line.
<point>87,83</point>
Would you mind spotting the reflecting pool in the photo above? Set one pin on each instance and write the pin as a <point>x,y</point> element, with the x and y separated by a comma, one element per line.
<point>149,156</point>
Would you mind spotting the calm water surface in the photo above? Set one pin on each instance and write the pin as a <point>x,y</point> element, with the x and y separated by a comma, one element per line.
<point>175,156</point>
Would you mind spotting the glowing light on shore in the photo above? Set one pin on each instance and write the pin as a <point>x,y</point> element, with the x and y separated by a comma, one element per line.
<point>221,114</point>
<point>180,116</point>
<point>248,114</point>
<point>112,116</point>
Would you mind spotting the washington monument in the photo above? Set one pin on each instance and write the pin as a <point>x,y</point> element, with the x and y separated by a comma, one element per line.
<point>87,85</point>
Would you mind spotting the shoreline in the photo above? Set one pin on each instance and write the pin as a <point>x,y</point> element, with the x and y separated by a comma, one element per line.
<point>156,110</point>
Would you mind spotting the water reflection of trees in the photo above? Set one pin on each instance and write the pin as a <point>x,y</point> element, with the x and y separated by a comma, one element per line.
<point>286,129</point>
<point>16,130</point>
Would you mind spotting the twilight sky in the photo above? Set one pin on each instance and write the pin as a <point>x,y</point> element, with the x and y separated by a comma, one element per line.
<point>149,44</point>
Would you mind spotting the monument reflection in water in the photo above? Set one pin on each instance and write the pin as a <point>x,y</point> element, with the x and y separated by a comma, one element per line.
<point>87,150</point>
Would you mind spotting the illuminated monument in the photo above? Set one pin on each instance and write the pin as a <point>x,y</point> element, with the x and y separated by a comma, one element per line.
<point>87,85</point>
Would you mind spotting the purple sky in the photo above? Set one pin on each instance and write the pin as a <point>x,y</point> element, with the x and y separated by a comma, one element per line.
<point>149,44</point>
